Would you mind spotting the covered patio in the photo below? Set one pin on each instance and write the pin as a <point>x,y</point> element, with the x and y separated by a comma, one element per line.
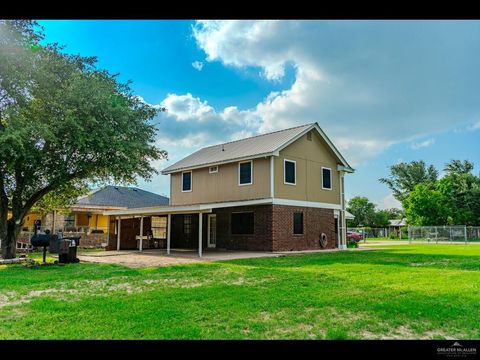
<point>131,228</point>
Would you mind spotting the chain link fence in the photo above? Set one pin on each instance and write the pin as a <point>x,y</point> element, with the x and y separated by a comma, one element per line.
<point>443,234</point>
<point>368,232</point>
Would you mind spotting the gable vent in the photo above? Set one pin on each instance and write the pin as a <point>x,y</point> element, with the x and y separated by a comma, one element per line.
<point>309,135</point>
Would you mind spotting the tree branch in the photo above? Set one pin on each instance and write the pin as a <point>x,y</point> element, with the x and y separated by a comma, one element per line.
<point>40,193</point>
<point>3,195</point>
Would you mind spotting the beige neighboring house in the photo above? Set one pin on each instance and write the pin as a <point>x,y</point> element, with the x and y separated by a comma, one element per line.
<point>279,191</point>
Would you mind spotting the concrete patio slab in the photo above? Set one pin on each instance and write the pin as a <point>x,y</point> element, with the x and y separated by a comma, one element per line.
<point>159,257</point>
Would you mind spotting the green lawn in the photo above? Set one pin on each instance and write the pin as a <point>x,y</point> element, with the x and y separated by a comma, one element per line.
<point>405,291</point>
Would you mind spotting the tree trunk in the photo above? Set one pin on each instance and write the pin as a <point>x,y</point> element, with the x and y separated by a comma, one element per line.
<point>9,240</point>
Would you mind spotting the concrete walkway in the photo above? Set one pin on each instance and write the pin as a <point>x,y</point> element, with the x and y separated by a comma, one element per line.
<point>159,257</point>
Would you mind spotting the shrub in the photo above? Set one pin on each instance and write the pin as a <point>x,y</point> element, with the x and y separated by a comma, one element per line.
<point>352,244</point>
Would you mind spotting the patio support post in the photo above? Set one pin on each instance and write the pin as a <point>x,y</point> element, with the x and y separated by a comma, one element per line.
<point>119,225</point>
<point>169,219</point>
<point>141,233</point>
<point>200,234</point>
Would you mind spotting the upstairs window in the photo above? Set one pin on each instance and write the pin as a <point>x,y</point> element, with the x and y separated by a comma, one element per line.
<point>213,169</point>
<point>187,181</point>
<point>245,173</point>
<point>289,172</point>
<point>326,178</point>
<point>298,223</point>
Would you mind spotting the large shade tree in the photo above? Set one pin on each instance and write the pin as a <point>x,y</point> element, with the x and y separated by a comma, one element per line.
<point>63,123</point>
<point>454,199</point>
<point>404,177</point>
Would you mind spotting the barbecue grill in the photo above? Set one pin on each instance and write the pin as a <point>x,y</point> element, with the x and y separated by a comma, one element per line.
<point>43,240</point>
<point>65,247</point>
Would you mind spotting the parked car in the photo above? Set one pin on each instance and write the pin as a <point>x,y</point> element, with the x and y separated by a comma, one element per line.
<point>355,236</point>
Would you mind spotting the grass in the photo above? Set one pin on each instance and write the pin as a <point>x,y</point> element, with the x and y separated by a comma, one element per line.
<point>403,291</point>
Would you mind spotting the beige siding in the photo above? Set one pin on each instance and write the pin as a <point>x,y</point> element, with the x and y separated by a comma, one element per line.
<point>223,185</point>
<point>310,156</point>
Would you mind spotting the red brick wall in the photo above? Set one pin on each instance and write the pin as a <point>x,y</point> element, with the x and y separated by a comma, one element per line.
<point>260,240</point>
<point>273,229</point>
<point>315,222</point>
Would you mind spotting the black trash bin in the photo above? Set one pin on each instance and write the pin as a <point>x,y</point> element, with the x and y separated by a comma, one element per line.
<point>54,244</point>
<point>67,253</point>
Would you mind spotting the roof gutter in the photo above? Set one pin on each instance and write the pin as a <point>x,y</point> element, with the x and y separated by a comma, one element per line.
<point>347,169</point>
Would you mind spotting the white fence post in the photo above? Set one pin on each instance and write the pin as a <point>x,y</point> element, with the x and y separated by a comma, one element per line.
<point>465,234</point>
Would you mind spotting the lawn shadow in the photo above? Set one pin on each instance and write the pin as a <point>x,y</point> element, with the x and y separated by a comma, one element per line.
<point>393,256</point>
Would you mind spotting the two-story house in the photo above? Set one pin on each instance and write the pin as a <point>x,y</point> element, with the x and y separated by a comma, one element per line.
<point>279,191</point>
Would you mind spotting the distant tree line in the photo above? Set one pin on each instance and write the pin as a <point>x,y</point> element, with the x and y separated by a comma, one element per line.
<point>427,199</point>
<point>367,214</point>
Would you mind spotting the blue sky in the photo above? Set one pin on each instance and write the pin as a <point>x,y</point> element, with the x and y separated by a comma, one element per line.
<point>384,91</point>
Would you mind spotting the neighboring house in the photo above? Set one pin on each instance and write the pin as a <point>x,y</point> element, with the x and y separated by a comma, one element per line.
<point>272,192</point>
<point>395,226</point>
<point>86,218</point>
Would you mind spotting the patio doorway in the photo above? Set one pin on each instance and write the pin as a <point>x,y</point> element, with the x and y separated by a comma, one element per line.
<point>212,231</point>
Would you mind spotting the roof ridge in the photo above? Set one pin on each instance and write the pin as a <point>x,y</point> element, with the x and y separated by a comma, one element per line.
<point>251,137</point>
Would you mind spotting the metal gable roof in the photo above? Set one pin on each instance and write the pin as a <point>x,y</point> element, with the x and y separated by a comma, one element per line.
<point>256,146</point>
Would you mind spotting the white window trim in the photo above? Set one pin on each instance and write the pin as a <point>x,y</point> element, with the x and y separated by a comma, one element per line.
<point>284,173</point>
<point>251,172</point>
<point>331,183</point>
<point>191,181</point>
<point>210,169</point>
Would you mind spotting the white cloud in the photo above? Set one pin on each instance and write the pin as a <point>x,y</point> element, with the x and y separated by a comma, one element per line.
<point>362,81</point>
<point>422,144</point>
<point>198,65</point>
<point>191,123</point>
<point>389,202</point>
<point>474,126</point>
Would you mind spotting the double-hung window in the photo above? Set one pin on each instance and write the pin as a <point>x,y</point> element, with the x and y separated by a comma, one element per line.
<point>187,181</point>
<point>242,223</point>
<point>298,223</point>
<point>289,172</point>
<point>245,173</point>
<point>326,178</point>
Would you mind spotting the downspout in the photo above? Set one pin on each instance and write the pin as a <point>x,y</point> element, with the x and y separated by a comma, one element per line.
<point>342,222</point>
<point>272,181</point>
